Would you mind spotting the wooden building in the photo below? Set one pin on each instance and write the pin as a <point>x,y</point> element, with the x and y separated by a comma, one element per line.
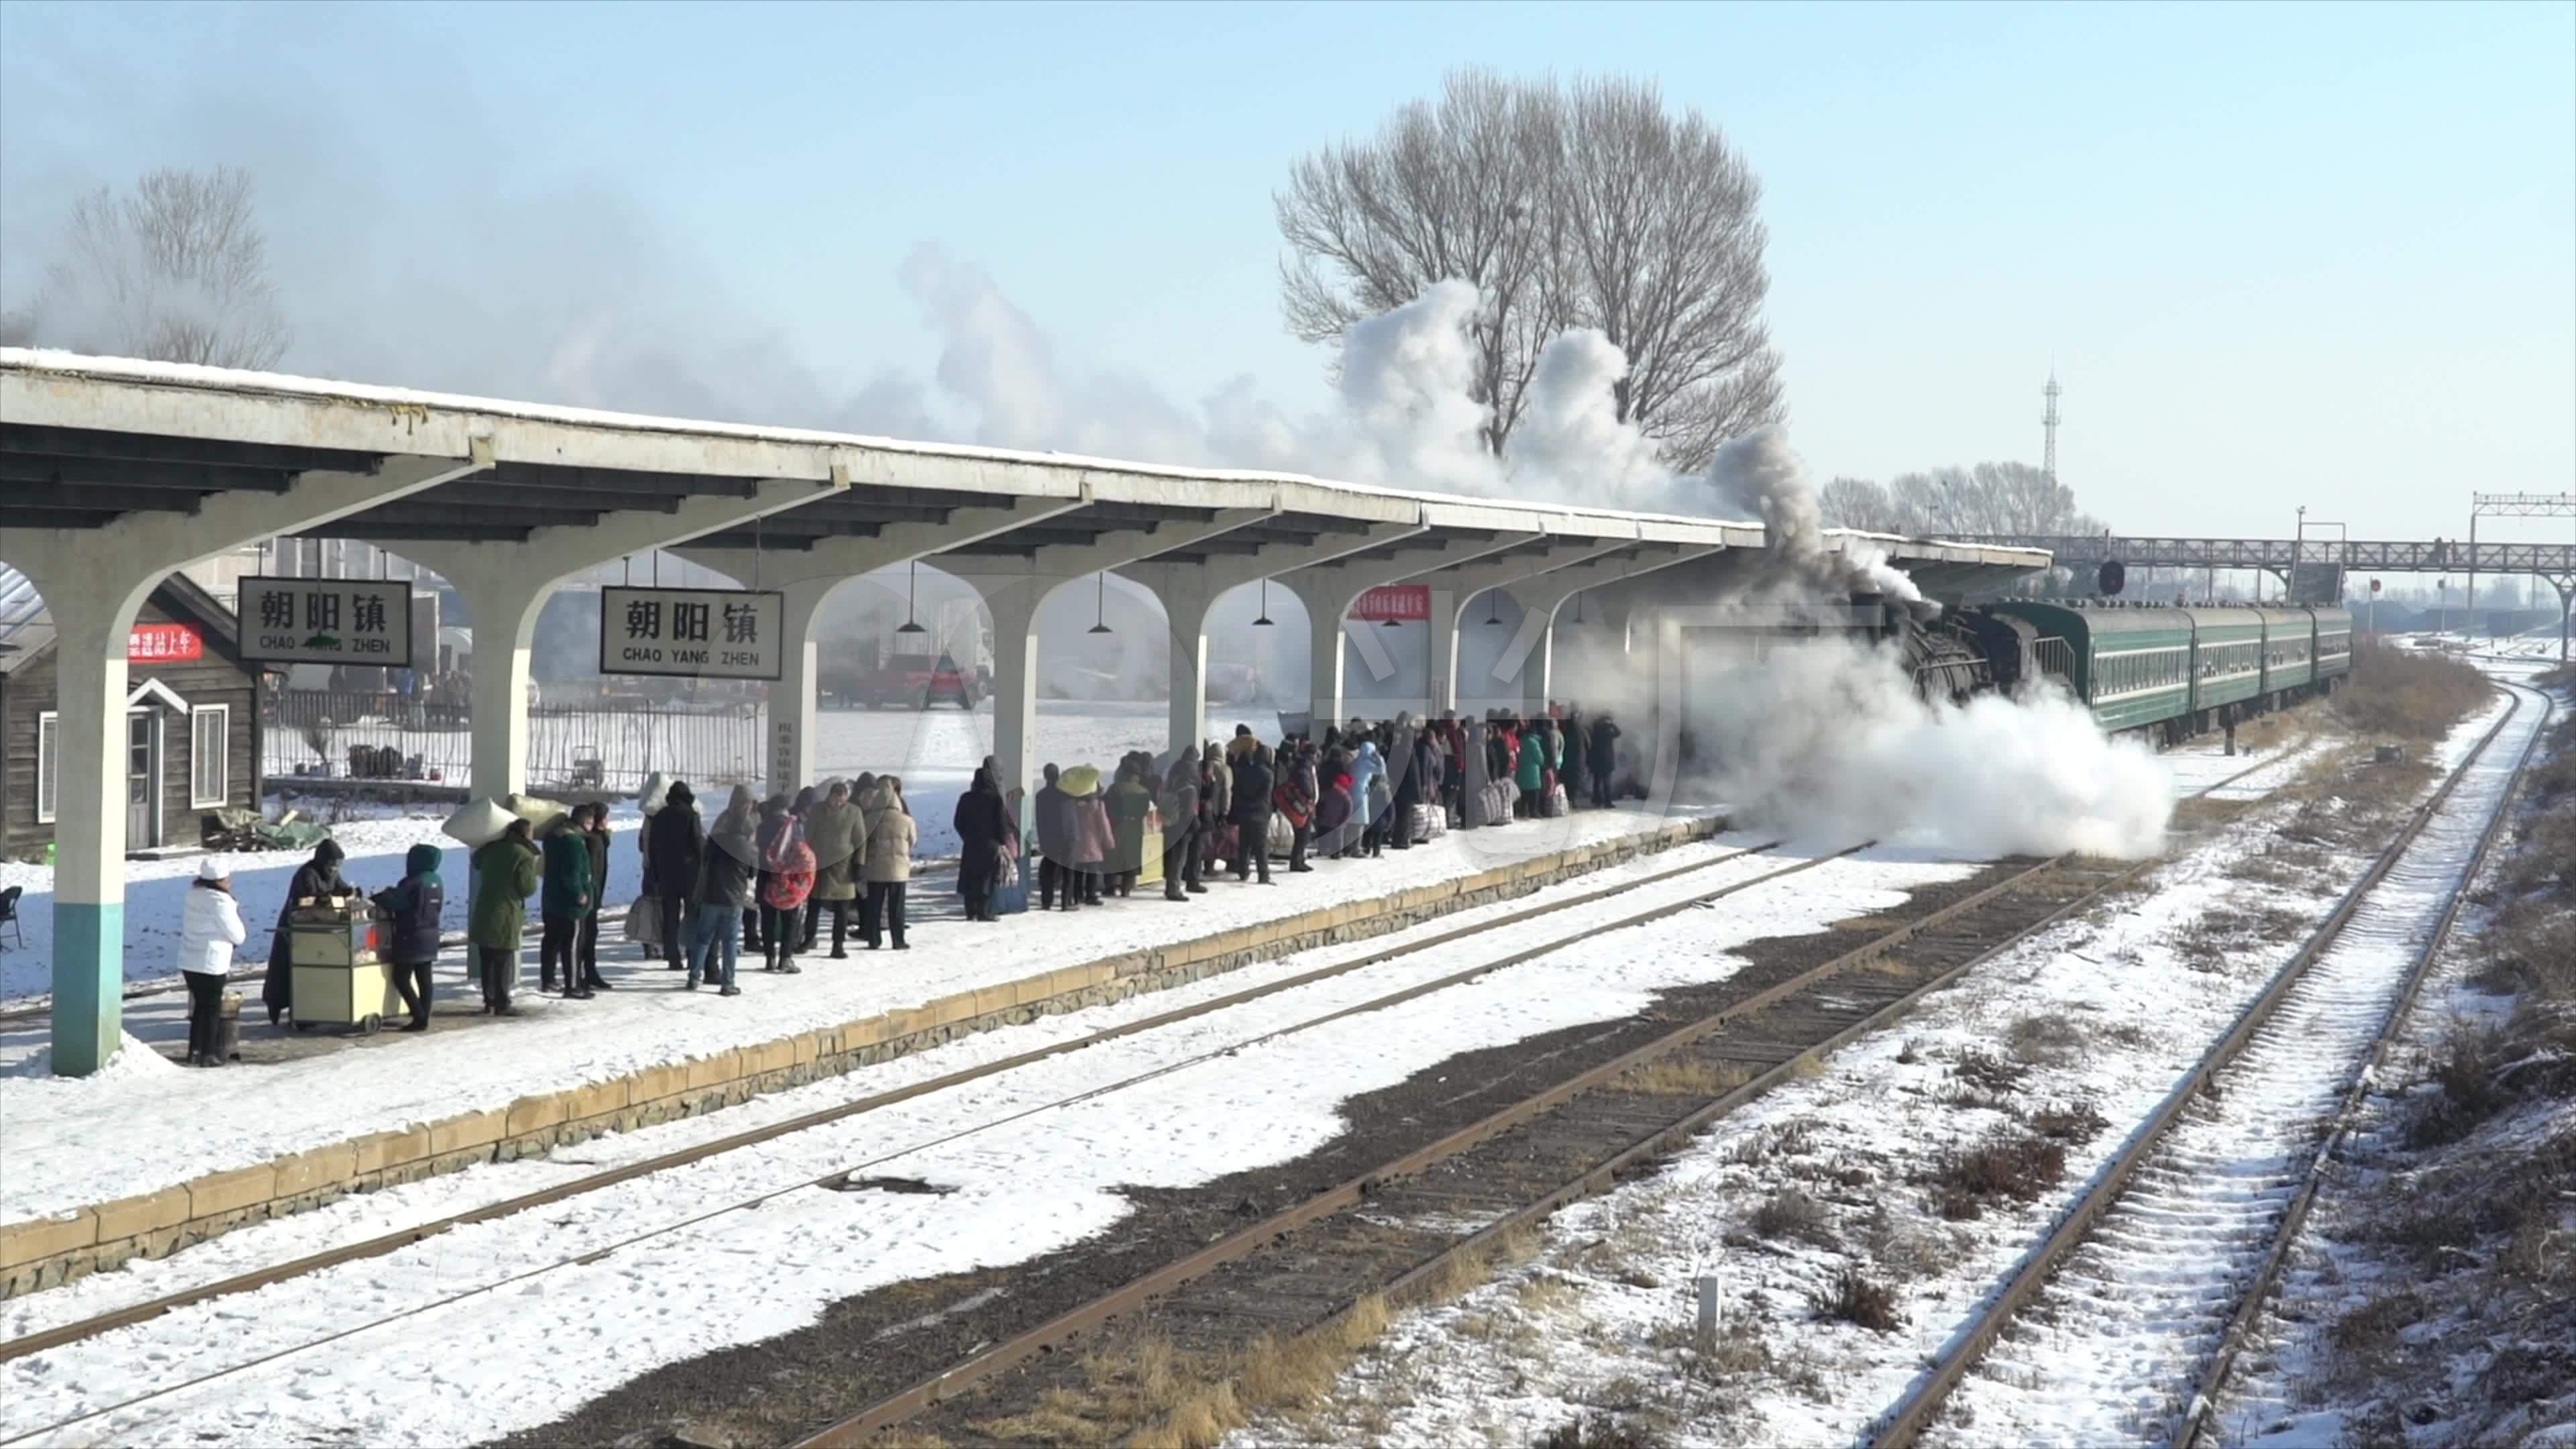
<point>192,718</point>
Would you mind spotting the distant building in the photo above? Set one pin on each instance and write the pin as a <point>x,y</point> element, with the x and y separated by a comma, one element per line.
<point>191,721</point>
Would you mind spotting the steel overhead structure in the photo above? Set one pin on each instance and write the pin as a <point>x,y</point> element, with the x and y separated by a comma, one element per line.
<point>115,472</point>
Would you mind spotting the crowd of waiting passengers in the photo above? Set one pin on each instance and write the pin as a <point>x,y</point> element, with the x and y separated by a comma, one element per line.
<point>760,877</point>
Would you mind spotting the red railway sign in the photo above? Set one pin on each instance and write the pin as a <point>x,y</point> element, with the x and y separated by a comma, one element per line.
<point>1394,601</point>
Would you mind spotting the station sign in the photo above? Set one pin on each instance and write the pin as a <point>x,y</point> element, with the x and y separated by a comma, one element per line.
<point>326,621</point>
<point>692,633</point>
<point>1393,601</point>
<point>164,644</point>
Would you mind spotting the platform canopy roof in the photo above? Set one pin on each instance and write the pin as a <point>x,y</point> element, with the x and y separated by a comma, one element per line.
<point>85,441</point>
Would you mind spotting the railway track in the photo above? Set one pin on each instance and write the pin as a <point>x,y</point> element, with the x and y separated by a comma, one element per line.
<point>1800,1008</point>
<point>1303,1268</point>
<point>2159,1270</point>
<point>1723,876</point>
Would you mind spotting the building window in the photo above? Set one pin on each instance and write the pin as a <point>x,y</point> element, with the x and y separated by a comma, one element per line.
<point>47,728</point>
<point>210,741</point>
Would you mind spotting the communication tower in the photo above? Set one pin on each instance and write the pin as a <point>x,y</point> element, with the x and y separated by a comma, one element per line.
<point>2048,422</point>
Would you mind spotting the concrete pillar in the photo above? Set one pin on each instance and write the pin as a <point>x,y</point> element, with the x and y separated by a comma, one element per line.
<point>1447,607</point>
<point>1187,592</point>
<point>506,584</point>
<point>1324,663</point>
<point>1014,605</point>
<point>791,699</point>
<point>93,612</point>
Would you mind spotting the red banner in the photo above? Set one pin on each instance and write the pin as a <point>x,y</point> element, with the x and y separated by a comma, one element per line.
<point>163,644</point>
<point>1394,601</point>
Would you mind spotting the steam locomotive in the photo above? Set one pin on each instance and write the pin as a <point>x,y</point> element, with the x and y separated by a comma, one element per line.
<point>2162,672</point>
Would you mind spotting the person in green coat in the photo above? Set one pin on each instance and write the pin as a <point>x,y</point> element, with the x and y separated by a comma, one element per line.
<point>569,896</point>
<point>1129,803</point>
<point>1531,772</point>
<point>505,873</point>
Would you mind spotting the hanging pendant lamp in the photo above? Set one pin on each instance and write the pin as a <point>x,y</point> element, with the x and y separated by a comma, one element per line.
<point>1101,618</point>
<point>1578,606</point>
<point>1264,621</point>
<point>911,585</point>
<point>1493,607</point>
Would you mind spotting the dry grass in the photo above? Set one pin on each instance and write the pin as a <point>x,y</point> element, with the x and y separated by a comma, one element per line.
<point>1599,1431</point>
<point>1678,1076</point>
<point>2045,1041</point>
<point>2407,694</point>
<point>1792,1216</point>
<point>1988,1074</point>
<point>1857,1299</point>
<point>2075,1123</point>
<point>2013,1164</point>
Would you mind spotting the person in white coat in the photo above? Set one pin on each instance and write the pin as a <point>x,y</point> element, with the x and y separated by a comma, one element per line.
<point>209,928</point>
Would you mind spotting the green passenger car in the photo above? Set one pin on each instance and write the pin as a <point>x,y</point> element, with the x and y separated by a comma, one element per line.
<point>2227,658</point>
<point>2131,665</point>
<point>2289,650</point>
<point>2334,646</point>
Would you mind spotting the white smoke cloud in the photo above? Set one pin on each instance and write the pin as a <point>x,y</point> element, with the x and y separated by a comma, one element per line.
<point>1759,475</point>
<point>1829,740</point>
<point>1570,441</point>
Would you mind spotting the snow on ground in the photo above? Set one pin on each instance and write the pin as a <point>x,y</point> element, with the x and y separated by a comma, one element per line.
<point>70,1142</point>
<point>2296,1386</point>
<point>558,1336</point>
<point>934,751</point>
<point>2138,1309</point>
<point>1705,867</point>
<point>2107,1010</point>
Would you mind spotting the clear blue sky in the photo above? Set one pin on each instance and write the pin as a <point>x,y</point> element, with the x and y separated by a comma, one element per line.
<point>2311,253</point>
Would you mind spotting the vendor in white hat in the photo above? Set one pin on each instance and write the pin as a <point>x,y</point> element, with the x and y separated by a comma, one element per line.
<point>210,927</point>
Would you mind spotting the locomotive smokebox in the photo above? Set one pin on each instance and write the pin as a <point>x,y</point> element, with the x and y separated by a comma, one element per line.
<point>1869,611</point>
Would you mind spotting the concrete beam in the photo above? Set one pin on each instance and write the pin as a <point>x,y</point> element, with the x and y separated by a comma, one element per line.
<point>1531,654</point>
<point>506,584</point>
<point>1189,590</point>
<point>807,577</point>
<point>1012,591</point>
<point>94,582</point>
<point>1329,590</point>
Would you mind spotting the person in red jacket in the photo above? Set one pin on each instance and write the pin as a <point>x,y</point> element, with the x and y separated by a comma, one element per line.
<point>786,879</point>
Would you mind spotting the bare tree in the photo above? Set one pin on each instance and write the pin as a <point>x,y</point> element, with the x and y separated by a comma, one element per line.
<point>1990,498</point>
<point>1457,190</point>
<point>176,271</point>
<point>1589,207</point>
<point>1859,503</point>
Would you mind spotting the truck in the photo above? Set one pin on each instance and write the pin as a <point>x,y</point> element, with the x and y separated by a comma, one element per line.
<point>880,674</point>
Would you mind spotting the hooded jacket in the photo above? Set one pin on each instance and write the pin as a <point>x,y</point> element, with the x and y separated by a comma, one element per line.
<point>1366,767</point>
<point>732,858</point>
<point>838,836</point>
<point>1604,751</point>
<point>210,926</point>
<point>505,871</point>
<point>1055,822</point>
<point>416,904</point>
<point>1180,801</point>
<point>786,863</point>
<point>1129,804</point>
<point>673,843</point>
<point>568,896</point>
<point>1253,783</point>
<point>892,833</point>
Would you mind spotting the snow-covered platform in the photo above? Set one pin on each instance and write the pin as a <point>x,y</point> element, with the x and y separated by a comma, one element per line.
<point>148,1156</point>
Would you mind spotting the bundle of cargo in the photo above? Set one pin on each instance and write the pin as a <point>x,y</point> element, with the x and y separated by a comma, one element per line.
<point>235,828</point>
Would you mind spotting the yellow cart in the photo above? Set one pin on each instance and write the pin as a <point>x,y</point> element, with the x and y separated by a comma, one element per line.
<point>339,976</point>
